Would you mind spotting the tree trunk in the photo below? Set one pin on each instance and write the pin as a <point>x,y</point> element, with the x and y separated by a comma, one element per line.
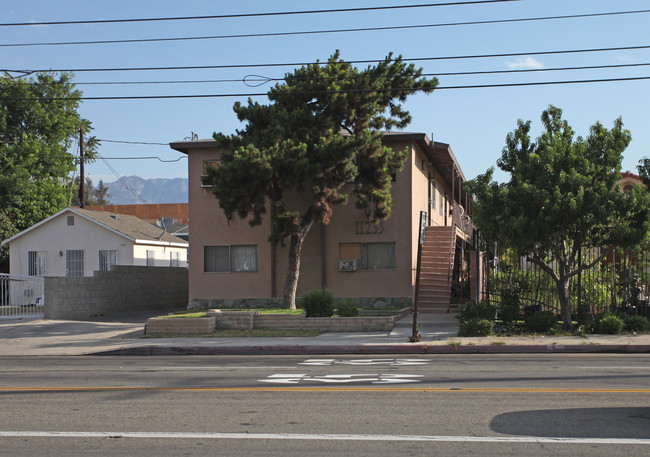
<point>293,270</point>
<point>565,306</point>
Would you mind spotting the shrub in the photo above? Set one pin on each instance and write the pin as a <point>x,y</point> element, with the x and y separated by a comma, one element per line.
<point>476,327</point>
<point>348,308</point>
<point>541,321</point>
<point>609,325</point>
<point>510,306</point>
<point>318,303</point>
<point>636,324</point>
<point>480,310</point>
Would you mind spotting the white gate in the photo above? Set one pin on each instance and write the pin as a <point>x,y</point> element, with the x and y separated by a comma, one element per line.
<point>21,295</point>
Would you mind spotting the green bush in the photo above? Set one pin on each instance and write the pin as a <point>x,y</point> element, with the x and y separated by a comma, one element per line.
<point>480,310</point>
<point>636,324</point>
<point>510,306</point>
<point>541,321</point>
<point>476,327</point>
<point>318,303</point>
<point>609,325</point>
<point>348,308</point>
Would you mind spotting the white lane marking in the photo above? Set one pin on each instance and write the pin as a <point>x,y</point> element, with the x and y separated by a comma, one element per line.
<point>342,378</point>
<point>325,437</point>
<point>367,362</point>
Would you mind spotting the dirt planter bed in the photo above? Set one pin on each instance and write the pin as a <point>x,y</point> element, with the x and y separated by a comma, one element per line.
<point>248,320</point>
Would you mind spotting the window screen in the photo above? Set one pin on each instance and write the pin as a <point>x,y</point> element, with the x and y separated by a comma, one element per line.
<point>107,259</point>
<point>378,256</point>
<point>74,262</point>
<point>216,259</point>
<point>243,258</point>
<point>223,259</point>
<point>151,258</point>
<point>36,263</point>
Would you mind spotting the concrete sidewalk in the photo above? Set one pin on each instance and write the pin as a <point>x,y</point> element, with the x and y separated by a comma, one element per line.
<point>36,336</point>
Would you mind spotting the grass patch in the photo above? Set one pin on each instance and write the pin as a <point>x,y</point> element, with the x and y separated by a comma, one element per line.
<point>182,315</point>
<point>254,333</point>
<point>454,343</point>
<point>498,343</point>
<point>203,312</point>
<point>292,312</point>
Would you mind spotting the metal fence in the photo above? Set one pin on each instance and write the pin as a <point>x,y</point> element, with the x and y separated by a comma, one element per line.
<point>620,282</point>
<point>21,295</point>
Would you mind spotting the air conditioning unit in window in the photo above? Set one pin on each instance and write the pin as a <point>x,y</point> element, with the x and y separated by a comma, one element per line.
<point>348,265</point>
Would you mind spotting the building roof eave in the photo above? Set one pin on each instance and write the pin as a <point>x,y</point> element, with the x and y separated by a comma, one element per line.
<point>186,146</point>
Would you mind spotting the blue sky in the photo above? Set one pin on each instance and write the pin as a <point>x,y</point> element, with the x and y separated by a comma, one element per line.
<point>474,122</point>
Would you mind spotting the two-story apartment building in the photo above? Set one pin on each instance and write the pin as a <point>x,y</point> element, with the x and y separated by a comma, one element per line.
<point>231,262</point>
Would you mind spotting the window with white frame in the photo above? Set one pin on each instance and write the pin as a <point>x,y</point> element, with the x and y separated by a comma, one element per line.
<point>151,258</point>
<point>174,259</point>
<point>36,261</point>
<point>432,189</point>
<point>74,262</point>
<point>226,259</point>
<point>107,259</point>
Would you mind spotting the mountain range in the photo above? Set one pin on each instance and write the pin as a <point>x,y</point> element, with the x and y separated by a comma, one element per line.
<point>133,190</point>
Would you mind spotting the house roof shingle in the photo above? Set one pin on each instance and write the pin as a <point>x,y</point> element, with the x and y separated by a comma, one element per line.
<point>128,226</point>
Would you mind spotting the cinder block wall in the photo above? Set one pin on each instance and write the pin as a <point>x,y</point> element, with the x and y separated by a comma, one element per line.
<point>123,289</point>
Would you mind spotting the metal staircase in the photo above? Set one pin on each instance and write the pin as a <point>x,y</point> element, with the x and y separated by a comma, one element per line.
<point>434,293</point>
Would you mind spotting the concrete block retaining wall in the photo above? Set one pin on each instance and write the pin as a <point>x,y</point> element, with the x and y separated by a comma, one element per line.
<point>325,324</point>
<point>182,326</point>
<point>260,303</point>
<point>234,320</point>
<point>123,289</point>
<point>247,320</point>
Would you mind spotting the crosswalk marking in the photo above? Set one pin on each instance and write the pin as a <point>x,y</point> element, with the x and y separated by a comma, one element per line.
<point>343,378</point>
<point>366,362</point>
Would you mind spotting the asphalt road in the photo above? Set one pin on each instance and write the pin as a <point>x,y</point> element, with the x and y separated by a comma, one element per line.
<point>461,405</point>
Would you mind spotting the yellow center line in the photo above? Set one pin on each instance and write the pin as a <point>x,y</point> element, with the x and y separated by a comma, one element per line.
<point>316,389</point>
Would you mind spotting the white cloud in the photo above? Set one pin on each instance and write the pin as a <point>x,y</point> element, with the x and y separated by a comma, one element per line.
<point>524,63</point>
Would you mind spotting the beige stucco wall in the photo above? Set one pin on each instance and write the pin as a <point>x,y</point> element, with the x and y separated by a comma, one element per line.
<point>209,227</point>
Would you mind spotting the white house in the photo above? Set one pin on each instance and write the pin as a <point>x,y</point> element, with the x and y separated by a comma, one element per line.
<point>77,242</point>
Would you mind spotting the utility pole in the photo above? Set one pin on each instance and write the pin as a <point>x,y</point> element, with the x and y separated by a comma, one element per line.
<point>415,335</point>
<point>82,178</point>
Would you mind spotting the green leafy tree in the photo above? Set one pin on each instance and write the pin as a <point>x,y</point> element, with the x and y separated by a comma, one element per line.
<point>39,123</point>
<point>644,171</point>
<point>562,195</point>
<point>93,195</point>
<point>318,137</point>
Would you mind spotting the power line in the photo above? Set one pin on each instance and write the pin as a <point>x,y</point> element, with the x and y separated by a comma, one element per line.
<point>244,15</point>
<point>314,32</point>
<point>240,95</point>
<point>132,142</point>
<point>544,83</point>
<point>368,61</point>
<point>204,81</point>
<point>146,158</point>
<point>122,180</point>
<point>260,80</point>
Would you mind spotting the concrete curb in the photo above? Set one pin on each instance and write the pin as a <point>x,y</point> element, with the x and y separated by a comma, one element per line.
<point>418,348</point>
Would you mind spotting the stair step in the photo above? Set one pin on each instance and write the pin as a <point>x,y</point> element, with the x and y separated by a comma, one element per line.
<point>434,292</point>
